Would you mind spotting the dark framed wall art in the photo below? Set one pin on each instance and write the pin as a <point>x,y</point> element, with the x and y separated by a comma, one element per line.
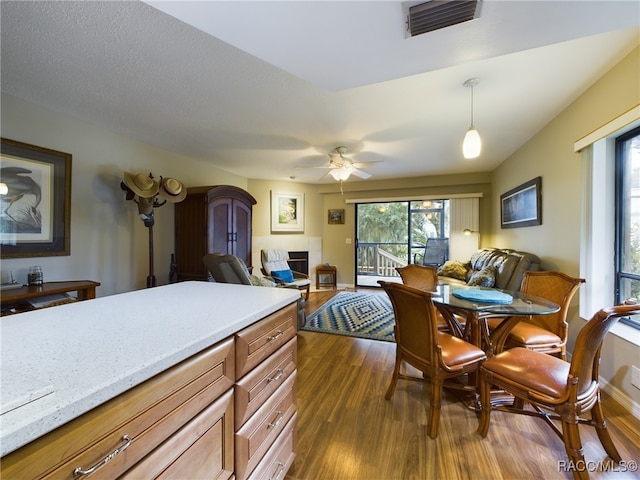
<point>35,191</point>
<point>522,206</point>
<point>336,217</point>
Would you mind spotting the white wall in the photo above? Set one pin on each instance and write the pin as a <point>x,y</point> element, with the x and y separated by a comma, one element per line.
<point>109,243</point>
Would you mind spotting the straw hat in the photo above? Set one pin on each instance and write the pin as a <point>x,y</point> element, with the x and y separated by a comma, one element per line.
<point>141,184</point>
<point>172,190</point>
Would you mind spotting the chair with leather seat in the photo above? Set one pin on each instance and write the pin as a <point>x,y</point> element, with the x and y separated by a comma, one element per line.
<point>440,356</point>
<point>425,277</point>
<point>276,267</point>
<point>555,388</point>
<point>544,333</point>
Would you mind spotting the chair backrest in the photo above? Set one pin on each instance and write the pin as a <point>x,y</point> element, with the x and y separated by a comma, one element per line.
<point>415,322</point>
<point>423,277</point>
<point>586,352</point>
<point>436,251</point>
<point>557,287</point>
<point>274,260</point>
<point>227,268</point>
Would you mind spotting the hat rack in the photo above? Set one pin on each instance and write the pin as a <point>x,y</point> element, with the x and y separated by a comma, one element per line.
<point>149,194</point>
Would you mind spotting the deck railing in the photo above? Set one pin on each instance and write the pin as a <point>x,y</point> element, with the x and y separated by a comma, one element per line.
<point>374,260</point>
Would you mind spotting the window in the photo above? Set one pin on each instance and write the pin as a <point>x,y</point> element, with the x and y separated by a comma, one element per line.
<point>627,256</point>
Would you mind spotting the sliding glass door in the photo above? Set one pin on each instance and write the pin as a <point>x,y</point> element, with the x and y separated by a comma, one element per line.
<point>394,234</point>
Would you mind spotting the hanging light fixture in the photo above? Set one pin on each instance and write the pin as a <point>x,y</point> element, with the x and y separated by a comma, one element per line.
<point>341,174</point>
<point>472,145</point>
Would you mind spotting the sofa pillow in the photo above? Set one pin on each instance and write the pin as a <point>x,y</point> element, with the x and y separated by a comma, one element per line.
<point>484,278</point>
<point>285,276</point>
<point>454,269</point>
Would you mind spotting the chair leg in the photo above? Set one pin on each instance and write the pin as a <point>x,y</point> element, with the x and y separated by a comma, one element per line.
<point>573,447</point>
<point>485,404</point>
<point>603,434</point>
<point>435,406</point>
<point>394,377</point>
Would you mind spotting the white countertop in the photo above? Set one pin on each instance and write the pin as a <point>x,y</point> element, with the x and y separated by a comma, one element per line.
<point>60,362</point>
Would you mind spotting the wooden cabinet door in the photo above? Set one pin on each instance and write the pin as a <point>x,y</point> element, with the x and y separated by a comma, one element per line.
<point>241,231</point>
<point>220,234</point>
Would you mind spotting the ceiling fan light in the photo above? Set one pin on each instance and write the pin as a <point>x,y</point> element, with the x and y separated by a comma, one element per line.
<point>472,145</point>
<point>340,174</point>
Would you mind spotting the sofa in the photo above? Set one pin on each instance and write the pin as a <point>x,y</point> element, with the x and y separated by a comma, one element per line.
<point>490,267</point>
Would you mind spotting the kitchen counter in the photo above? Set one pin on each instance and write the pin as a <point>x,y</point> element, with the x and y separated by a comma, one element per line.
<point>60,362</point>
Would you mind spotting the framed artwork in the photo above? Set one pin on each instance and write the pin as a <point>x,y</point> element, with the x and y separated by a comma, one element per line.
<point>287,212</point>
<point>35,191</point>
<point>336,217</point>
<point>522,206</point>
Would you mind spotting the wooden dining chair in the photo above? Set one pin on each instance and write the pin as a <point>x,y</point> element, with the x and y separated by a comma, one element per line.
<point>419,343</point>
<point>544,333</point>
<point>425,277</point>
<point>556,389</point>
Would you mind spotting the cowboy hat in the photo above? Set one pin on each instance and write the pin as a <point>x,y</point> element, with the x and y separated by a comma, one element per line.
<point>141,185</point>
<point>172,190</point>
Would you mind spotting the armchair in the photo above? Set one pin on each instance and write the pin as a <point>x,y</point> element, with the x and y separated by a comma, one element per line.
<point>275,266</point>
<point>231,269</point>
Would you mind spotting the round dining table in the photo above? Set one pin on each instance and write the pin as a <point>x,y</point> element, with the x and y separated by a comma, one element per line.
<point>477,304</point>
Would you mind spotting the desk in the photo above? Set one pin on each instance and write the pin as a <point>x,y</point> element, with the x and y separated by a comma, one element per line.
<point>476,330</point>
<point>86,290</point>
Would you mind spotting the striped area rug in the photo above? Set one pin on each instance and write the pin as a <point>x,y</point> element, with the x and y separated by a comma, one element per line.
<point>355,314</point>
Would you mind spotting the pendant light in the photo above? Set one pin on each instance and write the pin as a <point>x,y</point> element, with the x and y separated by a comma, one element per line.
<point>472,145</point>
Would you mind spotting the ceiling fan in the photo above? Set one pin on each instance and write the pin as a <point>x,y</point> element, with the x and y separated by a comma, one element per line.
<point>341,167</point>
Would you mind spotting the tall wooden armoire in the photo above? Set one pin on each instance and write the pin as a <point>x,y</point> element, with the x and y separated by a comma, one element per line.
<point>213,219</point>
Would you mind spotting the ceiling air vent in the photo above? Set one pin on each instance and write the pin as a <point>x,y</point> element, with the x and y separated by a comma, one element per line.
<point>437,14</point>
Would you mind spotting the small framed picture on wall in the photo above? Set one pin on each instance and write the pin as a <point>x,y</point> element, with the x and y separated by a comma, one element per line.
<point>336,217</point>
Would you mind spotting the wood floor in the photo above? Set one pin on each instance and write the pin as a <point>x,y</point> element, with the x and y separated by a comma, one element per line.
<point>347,430</point>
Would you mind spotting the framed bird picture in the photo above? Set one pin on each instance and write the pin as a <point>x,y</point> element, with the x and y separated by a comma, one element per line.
<point>35,192</point>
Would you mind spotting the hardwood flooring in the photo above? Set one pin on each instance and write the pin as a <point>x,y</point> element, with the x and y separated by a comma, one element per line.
<point>347,430</point>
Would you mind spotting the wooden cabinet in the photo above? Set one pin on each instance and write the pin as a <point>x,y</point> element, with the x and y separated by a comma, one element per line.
<point>265,395</point>
<point>163,421</point>
<point>212,219</point>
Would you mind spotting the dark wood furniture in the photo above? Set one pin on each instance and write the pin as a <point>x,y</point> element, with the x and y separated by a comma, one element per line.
<point>16,298</point>
<point>326,276</point>
<point>212,219</point>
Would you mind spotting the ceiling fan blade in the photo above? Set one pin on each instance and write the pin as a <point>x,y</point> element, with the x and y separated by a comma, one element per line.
<point>361,173</point>
<point>366,164</point>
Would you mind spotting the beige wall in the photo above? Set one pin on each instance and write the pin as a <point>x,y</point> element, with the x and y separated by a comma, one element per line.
<point>109,242</point>
<point>549,154</point>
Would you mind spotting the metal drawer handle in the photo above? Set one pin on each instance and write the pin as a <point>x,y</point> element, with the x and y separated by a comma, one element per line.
<point>277,377</point>
<point>278,334</point>
<point>79,471</point>
<point>278,472</point>
<point>278,420</point>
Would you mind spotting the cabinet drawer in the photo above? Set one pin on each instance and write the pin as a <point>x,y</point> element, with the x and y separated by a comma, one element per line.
<point>257,342</point>
<point>147,413</point>
<point>202,449</point>
<point>275,464</point>
<point>254,388</point>
<point>256,436</point>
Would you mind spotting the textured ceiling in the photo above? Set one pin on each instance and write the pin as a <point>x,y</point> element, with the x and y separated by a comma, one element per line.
<point>262,88</point>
